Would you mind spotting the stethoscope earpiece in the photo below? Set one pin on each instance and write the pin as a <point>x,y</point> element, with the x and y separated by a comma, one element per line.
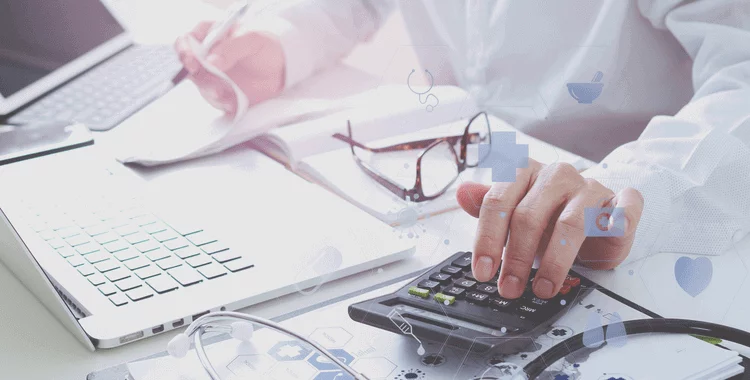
<point>179,346</point>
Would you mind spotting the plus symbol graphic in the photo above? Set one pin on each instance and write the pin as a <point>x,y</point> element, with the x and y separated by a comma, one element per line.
<point>503,156</point>
<point>288,351</point>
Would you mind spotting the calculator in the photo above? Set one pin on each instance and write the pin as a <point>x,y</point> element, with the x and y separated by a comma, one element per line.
<point>446,304</point>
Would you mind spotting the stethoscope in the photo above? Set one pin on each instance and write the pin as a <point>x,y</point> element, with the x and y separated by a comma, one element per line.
<point>238,326</point>
<point>430,107</point>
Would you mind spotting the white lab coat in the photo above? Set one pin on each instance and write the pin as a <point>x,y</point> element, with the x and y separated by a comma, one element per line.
<point>680,69</point>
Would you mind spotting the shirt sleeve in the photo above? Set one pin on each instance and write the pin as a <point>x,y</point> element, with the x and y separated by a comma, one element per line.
<point>693,168</point>
<point>315,34</point>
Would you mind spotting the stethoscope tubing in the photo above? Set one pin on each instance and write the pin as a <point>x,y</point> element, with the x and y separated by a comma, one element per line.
<point>208,321</point>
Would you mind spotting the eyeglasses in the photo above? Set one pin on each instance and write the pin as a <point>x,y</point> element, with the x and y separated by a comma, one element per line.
<point>438,165</point>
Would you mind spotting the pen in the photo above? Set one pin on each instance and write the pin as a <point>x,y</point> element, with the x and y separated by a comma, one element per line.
<point>217,31</point>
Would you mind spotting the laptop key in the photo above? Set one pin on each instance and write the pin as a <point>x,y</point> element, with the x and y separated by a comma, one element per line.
<point>214,247</point>
<point>119,300</point>
<point>136,238</point>
<point>47,235</point>
<point>212,271</point>
<point>200,238</point>
<point>144,220</point>
<point>66,252</point>
<point>162,284</point>
<point>128,284</point>
<point>126,230</point>
<point>184,228</point>
<point>169,263</point>
<point>76,261</point>
<point>157,254</point>
<point>106,237</point>
<point>147,246</point>
<point>139,294</point>
<point>87,248</point>
<point>155,228</point>
<point>239,264</point>
<point>185,275</point>
<point>96,230</point>
<point>226,256</point>
<point>108,289</point>
<point>137,263</point>
<point>56,243</point>
<point>187,252</point>
<point>106,266</point>
<point>69,232</point>
<point>176,244</point>
<point>96,279</point>
<point>126,254</point>
<point>86,270</point>
<point>147,272</point>
<point>198,261</point>
<point>116,246</point>
<point>166,235</point>
<point>117,274</point>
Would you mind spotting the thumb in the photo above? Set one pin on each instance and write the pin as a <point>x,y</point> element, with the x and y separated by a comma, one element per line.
<point>470,196</point>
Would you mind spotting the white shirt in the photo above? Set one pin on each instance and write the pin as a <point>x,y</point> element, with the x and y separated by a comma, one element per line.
<point>676,79</point>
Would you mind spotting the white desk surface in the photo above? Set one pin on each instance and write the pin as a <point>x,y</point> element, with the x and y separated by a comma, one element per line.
<point>33,345</point>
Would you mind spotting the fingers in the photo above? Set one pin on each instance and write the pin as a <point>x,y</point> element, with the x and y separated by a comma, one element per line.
<point>608,252</point>
<point>495,213</point>
<point>469,196</point>
<point>218,93</point>
<point>568,235</point>
<point>555,185</point>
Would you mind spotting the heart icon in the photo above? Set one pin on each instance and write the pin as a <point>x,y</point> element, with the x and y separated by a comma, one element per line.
<point>693,275</point>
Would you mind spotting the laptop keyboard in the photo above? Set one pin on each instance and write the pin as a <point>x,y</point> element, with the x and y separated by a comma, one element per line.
<point>129,254</point>
<point>110,92</point>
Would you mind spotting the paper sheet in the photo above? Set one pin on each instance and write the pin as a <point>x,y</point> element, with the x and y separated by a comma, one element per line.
<point>380,354</point>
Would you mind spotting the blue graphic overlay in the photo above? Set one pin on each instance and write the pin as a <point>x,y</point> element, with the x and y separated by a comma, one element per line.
<point>597,221</point>
<point>504,156</point>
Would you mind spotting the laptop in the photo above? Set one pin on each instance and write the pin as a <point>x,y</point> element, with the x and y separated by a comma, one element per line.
<point>117,259</point>
<point>74,61</point>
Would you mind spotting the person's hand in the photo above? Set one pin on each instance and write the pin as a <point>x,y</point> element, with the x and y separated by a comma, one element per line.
<point>543,210</point>
<point>253,60</point>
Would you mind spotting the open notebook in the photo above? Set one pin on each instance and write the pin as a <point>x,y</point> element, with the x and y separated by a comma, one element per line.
<point>296,129</point>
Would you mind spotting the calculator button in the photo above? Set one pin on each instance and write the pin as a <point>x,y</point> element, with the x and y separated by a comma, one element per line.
<point>445,299</point>
<point>526,310</point>
<point>415,291</point>
<point>538,302</point>
<point>477,298</point>
<point>487,289</point>
<point>466,284</point>
<point>463,262</point>
<point>565,289</point>
<point>470,276</point>
<point>455,291</point>
<point>429,285</point>
<point>451,270</point>
<point>500,303</point>
<point>440,277</point>
<point>572,281</point>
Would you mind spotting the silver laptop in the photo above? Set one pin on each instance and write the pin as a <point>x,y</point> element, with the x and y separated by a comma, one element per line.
<point>118,259</point>
<point>66,60</point>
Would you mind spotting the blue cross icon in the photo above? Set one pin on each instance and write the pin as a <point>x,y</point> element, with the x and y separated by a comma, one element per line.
<point>504,156</point>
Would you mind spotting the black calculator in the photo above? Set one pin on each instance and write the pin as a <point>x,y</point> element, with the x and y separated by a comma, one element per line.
<point>446,304</point>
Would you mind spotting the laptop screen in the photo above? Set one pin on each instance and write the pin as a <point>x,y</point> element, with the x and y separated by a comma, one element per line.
<point>39,36</point>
